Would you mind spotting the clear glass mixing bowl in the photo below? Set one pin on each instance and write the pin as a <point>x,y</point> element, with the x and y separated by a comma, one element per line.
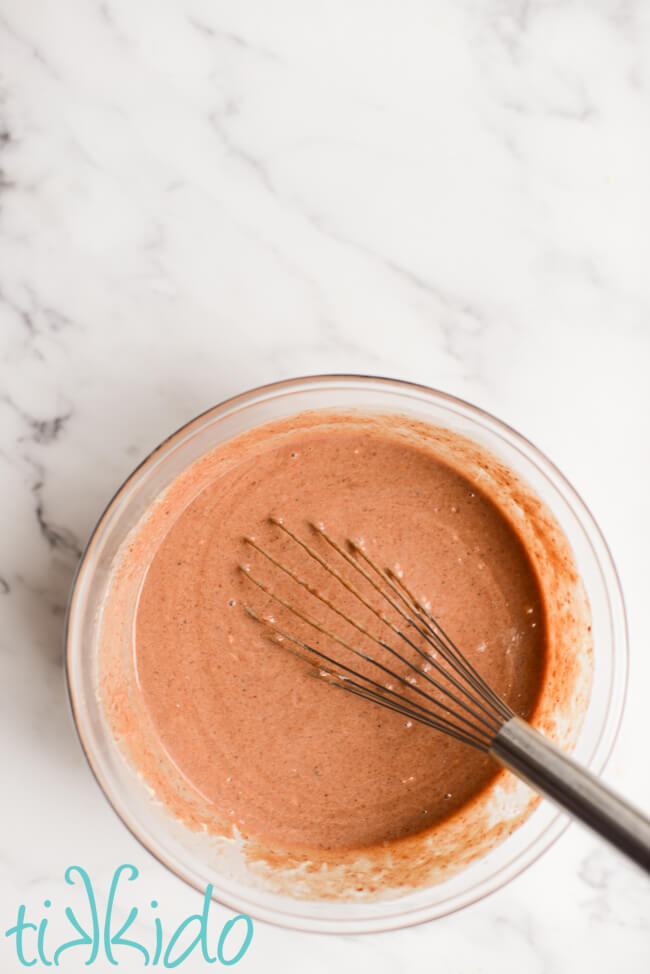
<point>176,847</point>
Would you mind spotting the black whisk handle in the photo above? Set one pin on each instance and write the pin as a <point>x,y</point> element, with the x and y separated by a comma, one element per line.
<point>556,776</point>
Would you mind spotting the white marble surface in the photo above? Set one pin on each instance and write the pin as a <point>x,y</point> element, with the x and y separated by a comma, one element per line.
<point>198,196</point>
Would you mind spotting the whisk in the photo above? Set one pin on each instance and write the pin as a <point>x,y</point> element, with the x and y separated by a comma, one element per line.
<point>438,686</point>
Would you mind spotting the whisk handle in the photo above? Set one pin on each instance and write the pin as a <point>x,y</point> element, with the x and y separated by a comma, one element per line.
<point>547,769</point>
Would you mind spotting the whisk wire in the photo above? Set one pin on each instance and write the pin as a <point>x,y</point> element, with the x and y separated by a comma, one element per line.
<point>490,719</point>
<point>343,642</point>
<point>400,704</point>
<point>427,635</point>
<point>455,656</point>
<point>439,639</point>
<point>493,728</point>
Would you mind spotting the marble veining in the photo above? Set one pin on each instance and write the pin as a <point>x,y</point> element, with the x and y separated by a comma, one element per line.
<point>197,197</point>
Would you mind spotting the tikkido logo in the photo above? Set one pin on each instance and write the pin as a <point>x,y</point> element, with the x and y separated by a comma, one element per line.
<point>94,940</point>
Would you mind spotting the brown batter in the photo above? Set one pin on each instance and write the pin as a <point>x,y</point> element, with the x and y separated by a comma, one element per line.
<point>284,756</point>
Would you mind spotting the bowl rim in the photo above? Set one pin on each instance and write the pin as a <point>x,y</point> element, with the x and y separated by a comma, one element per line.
<point>603,749</point>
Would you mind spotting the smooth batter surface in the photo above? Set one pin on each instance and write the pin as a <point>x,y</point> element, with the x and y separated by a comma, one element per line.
<point>286,757</point>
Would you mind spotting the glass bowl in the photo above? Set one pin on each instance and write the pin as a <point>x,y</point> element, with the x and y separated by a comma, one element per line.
<point>183,852</point>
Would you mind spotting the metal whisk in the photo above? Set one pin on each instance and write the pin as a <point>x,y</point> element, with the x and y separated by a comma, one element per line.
<point>439,687</point>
